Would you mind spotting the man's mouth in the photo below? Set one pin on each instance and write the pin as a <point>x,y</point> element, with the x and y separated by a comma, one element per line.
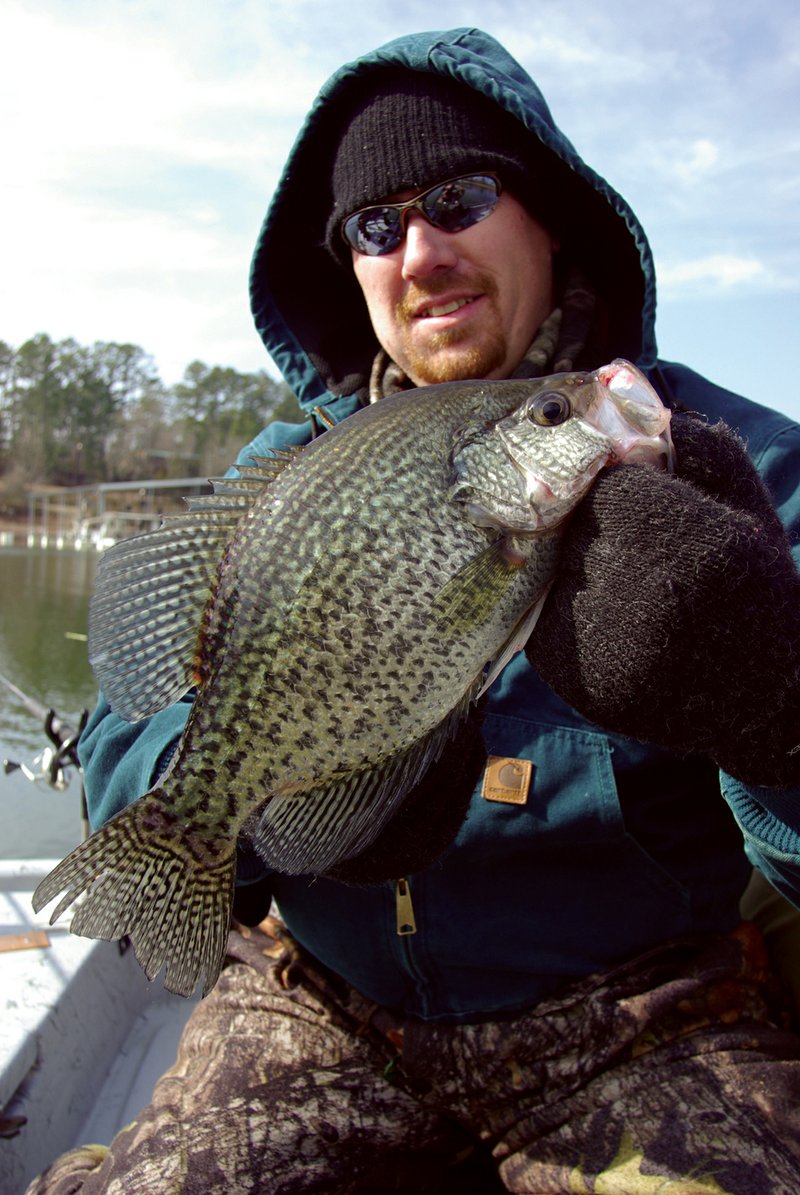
<point>438,309</point>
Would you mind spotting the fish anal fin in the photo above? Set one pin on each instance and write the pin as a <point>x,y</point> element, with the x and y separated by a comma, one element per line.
<point>311,831</point>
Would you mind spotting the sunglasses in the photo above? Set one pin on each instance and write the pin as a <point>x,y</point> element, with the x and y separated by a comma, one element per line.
<point>452,206</point>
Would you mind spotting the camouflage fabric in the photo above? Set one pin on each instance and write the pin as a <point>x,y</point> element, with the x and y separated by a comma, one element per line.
<point>672,1074</point>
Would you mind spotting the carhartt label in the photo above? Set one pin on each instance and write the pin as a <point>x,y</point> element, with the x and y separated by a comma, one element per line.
<point>507,780</point>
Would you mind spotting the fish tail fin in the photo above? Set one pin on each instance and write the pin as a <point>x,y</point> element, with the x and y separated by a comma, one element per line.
<point>172,897</point>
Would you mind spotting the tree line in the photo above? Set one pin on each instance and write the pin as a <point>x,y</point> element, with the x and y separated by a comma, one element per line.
<point>73,414</point>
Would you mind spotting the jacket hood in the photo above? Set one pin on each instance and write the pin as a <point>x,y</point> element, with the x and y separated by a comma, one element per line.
<point>308,309</point>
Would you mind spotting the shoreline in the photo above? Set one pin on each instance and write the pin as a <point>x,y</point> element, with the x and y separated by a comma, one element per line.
<point>13,532</point>
<point>17,533</point>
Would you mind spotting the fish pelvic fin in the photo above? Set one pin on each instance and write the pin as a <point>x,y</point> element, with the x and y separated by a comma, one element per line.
<point>172,898</point>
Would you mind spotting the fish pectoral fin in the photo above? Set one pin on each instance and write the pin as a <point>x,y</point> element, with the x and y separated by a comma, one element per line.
<point>174,905</point>
<point>514,643</point>
<point>469,597</point>
<point>329,823</point>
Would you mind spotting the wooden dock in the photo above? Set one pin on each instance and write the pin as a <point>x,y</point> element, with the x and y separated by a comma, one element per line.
<point>96,516</point>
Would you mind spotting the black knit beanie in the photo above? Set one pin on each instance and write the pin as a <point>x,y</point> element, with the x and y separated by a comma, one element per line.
<point>413,129</point>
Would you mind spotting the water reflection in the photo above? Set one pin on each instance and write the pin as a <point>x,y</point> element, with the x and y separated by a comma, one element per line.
<point>44,599</point>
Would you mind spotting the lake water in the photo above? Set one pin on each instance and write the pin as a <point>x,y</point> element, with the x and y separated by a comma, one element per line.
<point>44,596</point>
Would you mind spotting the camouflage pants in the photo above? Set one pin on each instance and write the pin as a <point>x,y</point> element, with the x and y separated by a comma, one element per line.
<point>667,1075</point>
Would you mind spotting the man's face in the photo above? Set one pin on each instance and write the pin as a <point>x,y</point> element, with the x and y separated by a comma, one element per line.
<point>447,306</point>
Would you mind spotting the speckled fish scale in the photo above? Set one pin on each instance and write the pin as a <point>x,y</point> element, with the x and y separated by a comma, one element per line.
<point>338,609</point>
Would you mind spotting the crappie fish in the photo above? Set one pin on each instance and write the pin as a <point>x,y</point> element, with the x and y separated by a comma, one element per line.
<point>338,608</point>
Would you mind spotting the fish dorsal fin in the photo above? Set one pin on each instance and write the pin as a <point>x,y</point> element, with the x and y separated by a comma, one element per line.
<point>151,591</point>
<point>311,831</point>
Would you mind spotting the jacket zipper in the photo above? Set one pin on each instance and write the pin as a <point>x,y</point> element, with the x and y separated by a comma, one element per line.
<point>406,923</point>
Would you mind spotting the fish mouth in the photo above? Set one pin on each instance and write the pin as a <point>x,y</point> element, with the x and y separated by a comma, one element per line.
<point>632,414</point>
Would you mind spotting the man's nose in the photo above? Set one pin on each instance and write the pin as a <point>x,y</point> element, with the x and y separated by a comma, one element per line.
<point>426,248</point>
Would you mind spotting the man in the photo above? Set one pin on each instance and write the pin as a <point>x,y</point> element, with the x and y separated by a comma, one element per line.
<point>551,991</point>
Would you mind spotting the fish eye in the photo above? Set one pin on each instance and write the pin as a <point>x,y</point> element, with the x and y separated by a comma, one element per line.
<point>549,409</point>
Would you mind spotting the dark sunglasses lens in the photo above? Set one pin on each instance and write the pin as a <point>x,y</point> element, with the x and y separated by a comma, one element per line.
<point>452,206</point>
<point>374,231</point>
<point>461,203</point>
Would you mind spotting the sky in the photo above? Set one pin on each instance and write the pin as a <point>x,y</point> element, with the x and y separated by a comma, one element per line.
<point>142,139</point>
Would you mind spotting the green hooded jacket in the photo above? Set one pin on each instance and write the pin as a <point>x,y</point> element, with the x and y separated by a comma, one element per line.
<point>620,845</point>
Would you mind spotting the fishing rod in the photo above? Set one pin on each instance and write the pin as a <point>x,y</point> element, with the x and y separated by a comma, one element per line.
<point>56,760</point>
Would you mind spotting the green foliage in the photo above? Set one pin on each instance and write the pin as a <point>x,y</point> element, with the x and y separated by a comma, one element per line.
<point>74,414</point>
<point>219,410</point>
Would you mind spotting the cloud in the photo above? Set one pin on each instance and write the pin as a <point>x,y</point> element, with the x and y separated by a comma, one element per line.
<point>702,156</point>
<point>142,140</point>
<point>71,92</point>
<point>139,165</point>
<point>550,49</point>
<point>725,270</point>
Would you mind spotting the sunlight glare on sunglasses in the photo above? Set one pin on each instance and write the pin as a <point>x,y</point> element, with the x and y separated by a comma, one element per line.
<point>451,206</point>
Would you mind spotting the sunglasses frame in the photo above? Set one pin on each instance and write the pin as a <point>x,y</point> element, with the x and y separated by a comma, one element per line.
<point>417,204</point>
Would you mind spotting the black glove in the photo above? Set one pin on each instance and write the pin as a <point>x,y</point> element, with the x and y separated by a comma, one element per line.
<point>675,616</point>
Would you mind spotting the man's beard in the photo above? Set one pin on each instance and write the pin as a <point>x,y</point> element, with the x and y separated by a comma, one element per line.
<point>474,361</point>
<point>441,360</point>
